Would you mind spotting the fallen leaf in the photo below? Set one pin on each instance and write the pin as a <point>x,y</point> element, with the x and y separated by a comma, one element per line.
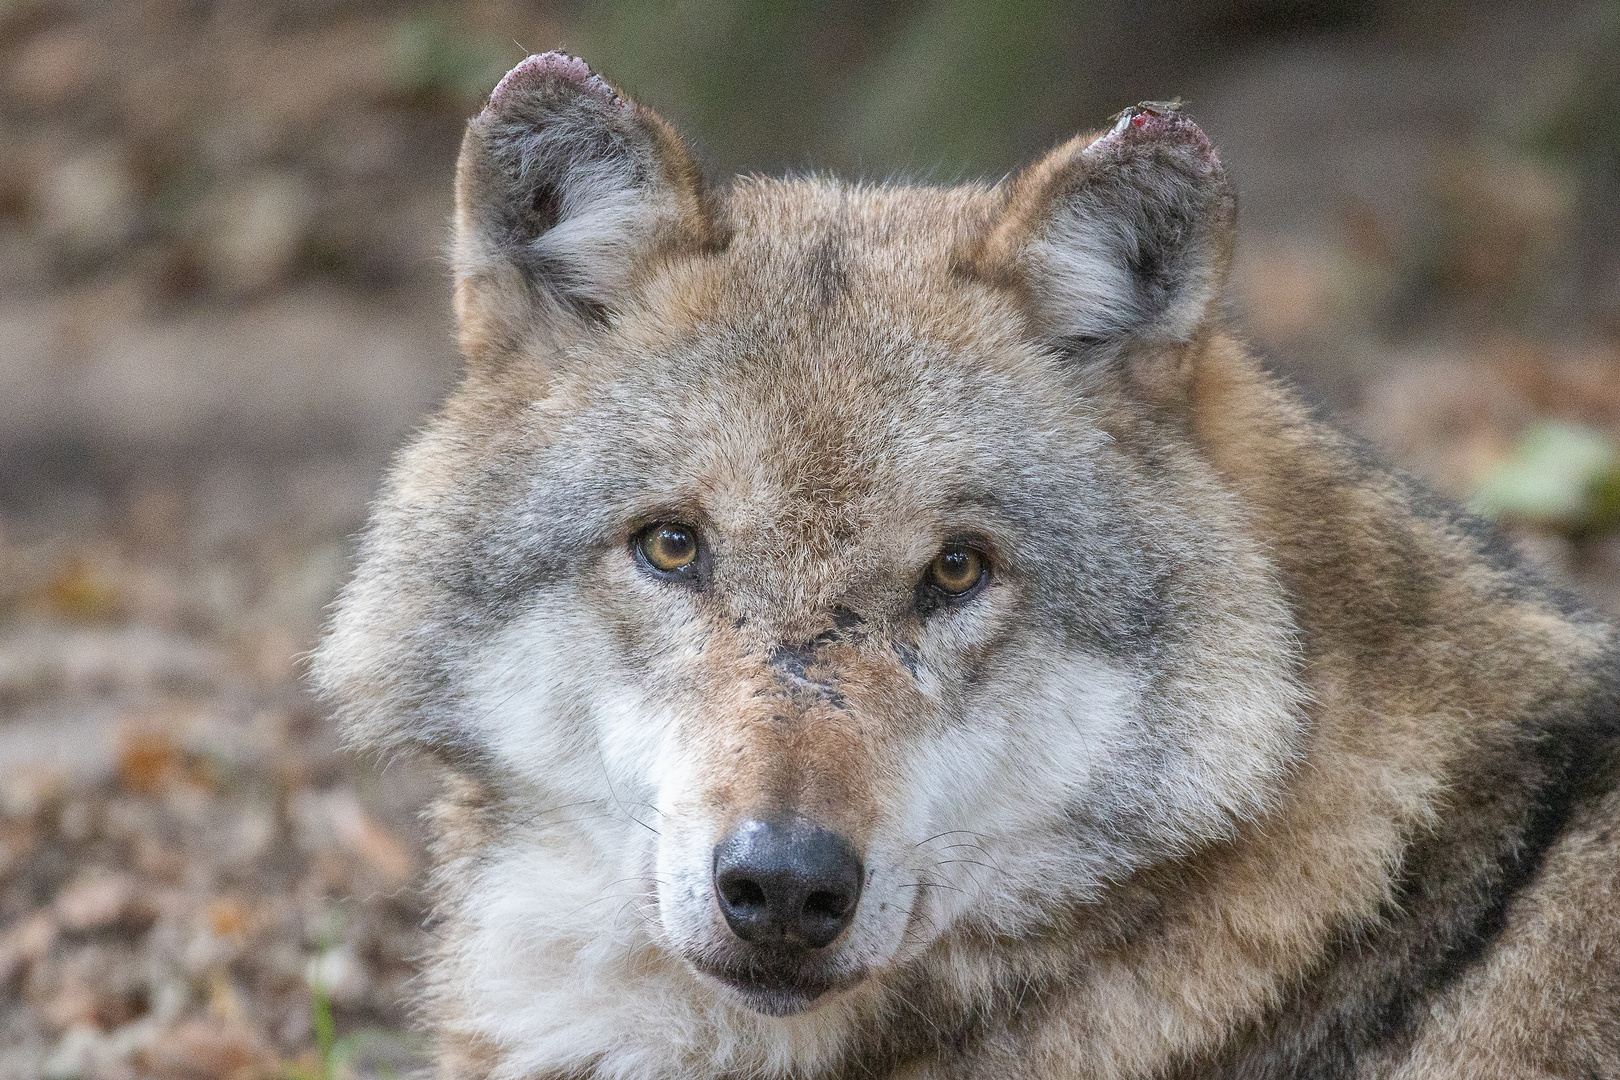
<point>81,591</point>
<point>101,902</point>
<point>147,762</point>
<point>226,918</point>
<point>206,1051</point>
<point>1560,477</point>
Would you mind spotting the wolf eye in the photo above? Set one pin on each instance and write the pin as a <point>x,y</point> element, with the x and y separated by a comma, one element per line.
<point>669,548</point>
<point>957,570</point>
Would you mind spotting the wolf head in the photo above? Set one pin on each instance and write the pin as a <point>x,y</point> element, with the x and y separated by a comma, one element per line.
<point>809,572</point>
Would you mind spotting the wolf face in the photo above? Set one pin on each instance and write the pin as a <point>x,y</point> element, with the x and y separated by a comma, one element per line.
<point>806,576</point>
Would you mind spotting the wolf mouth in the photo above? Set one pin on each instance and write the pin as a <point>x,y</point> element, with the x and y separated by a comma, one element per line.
<point>774,988</point>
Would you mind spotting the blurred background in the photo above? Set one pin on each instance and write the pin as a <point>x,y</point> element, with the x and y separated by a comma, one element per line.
<point>223,302</point>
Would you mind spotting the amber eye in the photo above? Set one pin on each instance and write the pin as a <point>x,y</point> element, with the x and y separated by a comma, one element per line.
<point>669,548</point>
<point>956,570</point>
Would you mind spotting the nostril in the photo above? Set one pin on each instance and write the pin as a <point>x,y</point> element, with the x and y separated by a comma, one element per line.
<point>742,892</point>
<point>827,905</point>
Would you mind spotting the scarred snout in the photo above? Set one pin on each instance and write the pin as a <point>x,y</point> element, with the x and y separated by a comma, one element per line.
<point>774,816</point>
<point>785,885</point>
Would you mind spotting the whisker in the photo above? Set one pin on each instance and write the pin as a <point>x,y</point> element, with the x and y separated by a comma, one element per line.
<point>926,885</point>
<point>947,832</point>
<point>924,1016</point>
<point>608,776</point>
<point>600,899</point>
<point>967,862</point>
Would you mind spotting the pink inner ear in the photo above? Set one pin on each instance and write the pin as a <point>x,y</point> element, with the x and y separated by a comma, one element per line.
<point>551,67</point>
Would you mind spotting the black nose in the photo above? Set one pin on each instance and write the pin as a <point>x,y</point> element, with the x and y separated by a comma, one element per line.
<point>786,883</point>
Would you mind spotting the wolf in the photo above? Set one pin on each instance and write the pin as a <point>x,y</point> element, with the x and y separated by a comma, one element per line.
<point>900,631</point>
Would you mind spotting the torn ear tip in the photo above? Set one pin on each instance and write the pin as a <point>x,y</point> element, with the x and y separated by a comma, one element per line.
<point>1152,120</point>
<point>551,67</point>
<point>1146,108</point>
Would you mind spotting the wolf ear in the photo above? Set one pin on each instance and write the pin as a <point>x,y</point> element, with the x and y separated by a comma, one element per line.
<point>565,191</point>
<point>1117,239</point>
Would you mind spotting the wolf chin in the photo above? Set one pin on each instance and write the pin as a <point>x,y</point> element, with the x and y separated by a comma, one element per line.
<point>899,631</point>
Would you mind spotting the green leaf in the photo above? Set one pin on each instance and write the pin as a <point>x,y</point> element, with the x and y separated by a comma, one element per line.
<point>1562,475</point>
